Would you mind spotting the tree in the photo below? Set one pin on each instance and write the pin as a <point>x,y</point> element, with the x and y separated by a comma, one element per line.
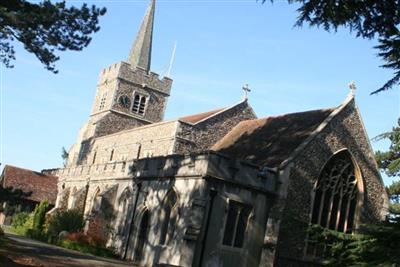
<point>389,162</point>
<point>44,28</point>
<point>12,196</point>
<point>64,156</point>
<point>368,19</point>
<point>39,215</point>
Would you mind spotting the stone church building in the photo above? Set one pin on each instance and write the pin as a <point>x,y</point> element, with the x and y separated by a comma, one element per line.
<point>219,188</point>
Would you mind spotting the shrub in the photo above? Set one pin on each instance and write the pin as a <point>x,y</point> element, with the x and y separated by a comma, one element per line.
<point>36,234</point>
<point>90,240</point>
<point>70,221</point>
<point>39,215</point>
<point>19,219</point>
<point>1,232</point>
<point>22,223</point>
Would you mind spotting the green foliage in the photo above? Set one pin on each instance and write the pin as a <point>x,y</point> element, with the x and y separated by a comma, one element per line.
<point>64,156</point>
<point>36,234</point>
<point>11,196</point>
<point>389,161</point>
<point>19,219</point>
<point>367,19</point>
<point>39,215</point>
<point>45,27</point>
<point>70,221</point>
<point>376,245</point>
<point>21,223</point>
<point>1,232</point>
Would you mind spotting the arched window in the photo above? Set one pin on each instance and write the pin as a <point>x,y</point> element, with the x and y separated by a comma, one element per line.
<point>336,194</point>
<point>139,104</point>
<point>168,217</point>
<point>142,105</point>
<point>136,103</point>
<point>142,236</point>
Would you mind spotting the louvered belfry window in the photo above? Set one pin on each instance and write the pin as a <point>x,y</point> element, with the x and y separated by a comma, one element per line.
<point>139,104</point>
<point>336,194</point>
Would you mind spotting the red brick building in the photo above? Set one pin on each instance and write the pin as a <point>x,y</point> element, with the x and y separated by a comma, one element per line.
<point>39,185</point>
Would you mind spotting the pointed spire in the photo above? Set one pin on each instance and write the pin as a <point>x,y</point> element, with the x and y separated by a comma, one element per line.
<point>140,54</point>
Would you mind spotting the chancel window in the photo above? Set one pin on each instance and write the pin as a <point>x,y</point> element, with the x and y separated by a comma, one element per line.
<point>336,194</point>
<point>168,216</point>
<point>236,224</point>
<point>139,104</point>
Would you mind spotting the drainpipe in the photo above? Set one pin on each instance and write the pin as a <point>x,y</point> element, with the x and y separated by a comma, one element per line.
<point>139,185</point>
<point>213,193</point>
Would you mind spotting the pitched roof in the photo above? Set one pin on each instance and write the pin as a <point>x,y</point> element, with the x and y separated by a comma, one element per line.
<point>269,141</point>
<point>42,186</point>
<point>199,116</point>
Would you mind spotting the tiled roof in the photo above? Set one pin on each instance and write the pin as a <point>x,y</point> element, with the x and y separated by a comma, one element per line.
<point>42,186</point>
<point>270,141</point>
<point>199,116</point>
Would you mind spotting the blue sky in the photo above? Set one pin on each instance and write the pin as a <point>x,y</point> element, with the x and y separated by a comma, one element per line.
<point>221,45</point>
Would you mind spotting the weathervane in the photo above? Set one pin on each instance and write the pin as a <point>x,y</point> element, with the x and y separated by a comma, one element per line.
<point>352,87</point>
<point>246,90</point>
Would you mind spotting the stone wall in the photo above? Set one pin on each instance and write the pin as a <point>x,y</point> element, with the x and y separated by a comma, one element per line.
<point>116,122</point>
<point>201,136</point>
<point>344,131</point>
<point>155,104</point>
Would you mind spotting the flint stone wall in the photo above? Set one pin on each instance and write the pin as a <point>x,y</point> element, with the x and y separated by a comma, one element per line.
<point>344,131</point>
<point>201,136</point>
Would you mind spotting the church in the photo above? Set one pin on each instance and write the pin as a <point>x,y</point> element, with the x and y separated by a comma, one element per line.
<point>219,188</point>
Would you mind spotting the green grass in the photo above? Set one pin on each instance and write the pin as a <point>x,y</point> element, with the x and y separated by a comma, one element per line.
<point>97,251</point>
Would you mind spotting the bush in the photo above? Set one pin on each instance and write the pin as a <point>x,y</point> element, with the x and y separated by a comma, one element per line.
<point>39,215</point>
<point>21,223</point>
<point>90,240</point>
<point>19,219</point>
<point>70,221</point>
<point>1,232</point>
<point>36,234</point>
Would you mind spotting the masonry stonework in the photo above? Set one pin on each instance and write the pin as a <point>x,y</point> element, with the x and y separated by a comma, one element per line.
<point>344,131</point>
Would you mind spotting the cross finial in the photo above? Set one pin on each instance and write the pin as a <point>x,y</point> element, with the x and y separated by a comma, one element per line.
<point>352,87</point>
<point>246,90</point>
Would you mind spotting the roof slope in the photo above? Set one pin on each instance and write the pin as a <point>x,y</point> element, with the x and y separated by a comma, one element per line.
<point>199,116</point>
<point>269,141</point>
<point>42,186</point>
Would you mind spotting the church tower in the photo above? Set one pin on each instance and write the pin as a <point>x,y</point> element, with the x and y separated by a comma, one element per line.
<point>128,94</point>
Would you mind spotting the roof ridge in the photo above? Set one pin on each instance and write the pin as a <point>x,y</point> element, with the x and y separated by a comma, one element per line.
<point>217,112</point>
<point>29,170</point>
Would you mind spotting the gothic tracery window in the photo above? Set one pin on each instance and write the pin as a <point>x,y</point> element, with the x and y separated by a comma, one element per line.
<point>168,216</point>
<point>336,194</point>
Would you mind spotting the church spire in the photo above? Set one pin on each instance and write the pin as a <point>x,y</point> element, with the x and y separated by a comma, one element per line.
<point>140,54</point>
